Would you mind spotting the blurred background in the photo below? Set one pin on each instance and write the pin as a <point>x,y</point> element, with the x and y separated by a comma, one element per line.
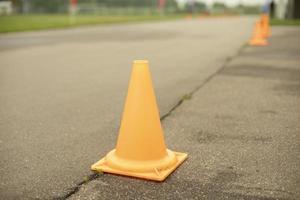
<point>20,15</point>
<point>124,6</point>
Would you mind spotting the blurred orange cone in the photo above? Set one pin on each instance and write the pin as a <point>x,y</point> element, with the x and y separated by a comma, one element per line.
<point>141,151</point>
<point>265,20</point>
<point>258,39</point>
<point>189,16</point>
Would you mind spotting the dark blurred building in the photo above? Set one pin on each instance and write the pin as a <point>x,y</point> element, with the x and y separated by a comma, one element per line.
<point>285,9</point>
<point>293,9</point>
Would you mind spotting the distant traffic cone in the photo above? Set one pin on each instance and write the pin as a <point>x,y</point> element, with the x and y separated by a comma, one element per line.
<point>141,151</point>
<point>258,39</point>
<point>265,21</point>
<point>189,16</point>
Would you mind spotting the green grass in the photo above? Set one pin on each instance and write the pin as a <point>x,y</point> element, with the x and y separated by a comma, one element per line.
<point>288,22</point>
<point>16,23</point>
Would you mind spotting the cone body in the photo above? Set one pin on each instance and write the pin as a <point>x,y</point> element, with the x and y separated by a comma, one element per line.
<point>265,19</point>
<point>141,150</point>
<point>258,39</point>
<point>140,127</point>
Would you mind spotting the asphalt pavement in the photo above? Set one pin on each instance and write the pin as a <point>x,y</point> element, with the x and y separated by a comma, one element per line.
<point>62,92</point>
<point>240,129</point>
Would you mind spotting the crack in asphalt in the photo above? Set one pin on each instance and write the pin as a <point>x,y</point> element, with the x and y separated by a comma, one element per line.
<point>189,95</point>
<point>184,98</point>
<point>75,189</point>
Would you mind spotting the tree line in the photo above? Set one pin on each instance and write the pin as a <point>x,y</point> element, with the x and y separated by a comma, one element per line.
<point>63,5</point>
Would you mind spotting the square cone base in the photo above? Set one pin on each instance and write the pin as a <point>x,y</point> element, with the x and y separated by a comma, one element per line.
<point>156,175</point>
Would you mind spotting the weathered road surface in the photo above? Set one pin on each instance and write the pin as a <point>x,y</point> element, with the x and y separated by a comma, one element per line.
<point>241,130</point>
<point>62,93</point>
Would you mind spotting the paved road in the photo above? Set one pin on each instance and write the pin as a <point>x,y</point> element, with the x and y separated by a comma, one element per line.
<point>241,130</point>
<point>62,92</point>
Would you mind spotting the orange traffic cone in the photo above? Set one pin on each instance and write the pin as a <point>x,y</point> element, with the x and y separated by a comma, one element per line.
<point>141,151</point>
<point>258,39</point>
<point>265,20</point>
<point>189,16</point>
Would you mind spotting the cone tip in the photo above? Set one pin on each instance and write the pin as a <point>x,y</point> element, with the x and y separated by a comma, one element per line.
<point>140,62</point>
